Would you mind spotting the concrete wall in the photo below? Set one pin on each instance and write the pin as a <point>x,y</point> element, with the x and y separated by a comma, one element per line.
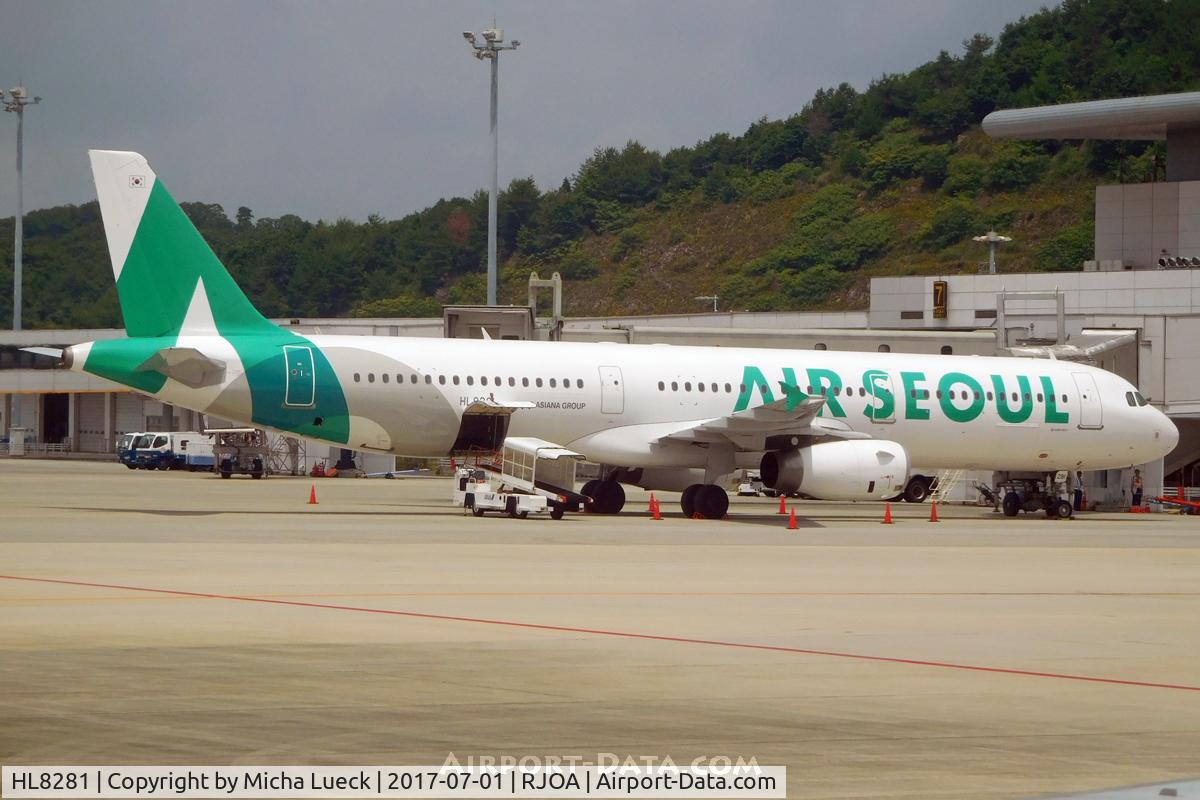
<point>1137,223</point>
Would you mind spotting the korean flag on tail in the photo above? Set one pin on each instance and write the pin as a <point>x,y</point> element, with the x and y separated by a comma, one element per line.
<point>137,181</point>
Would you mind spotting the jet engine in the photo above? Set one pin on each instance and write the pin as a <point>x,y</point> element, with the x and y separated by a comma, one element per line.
<point>857,469</point>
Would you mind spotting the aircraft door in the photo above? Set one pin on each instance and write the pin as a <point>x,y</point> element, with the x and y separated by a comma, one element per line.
<point>881,397</point>
<point>1091,412</point>
<point>612,393</point>
<point>299,376</point>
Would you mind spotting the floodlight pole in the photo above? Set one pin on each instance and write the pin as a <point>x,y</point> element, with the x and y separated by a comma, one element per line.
<point>15,102</point>
<point>993,239</point>
<point>493,39</point>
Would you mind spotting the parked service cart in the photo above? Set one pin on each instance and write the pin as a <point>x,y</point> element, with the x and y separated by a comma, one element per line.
<point>239,451</point>
<point>532,476</point>
<point>1032,494</point>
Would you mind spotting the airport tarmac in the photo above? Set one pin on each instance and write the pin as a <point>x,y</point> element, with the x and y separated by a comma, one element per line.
<point>176,618</point>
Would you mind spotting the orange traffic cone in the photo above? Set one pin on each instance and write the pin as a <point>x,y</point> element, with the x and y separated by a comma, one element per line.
<point>792,526</point>
<point>312,495</point>
<point>782,506</point>
<point>655,509</point>
<point>933,517</point>
<point>887,514</point>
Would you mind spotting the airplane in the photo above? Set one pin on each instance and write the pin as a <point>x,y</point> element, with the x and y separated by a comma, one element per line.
<point>830,425</point>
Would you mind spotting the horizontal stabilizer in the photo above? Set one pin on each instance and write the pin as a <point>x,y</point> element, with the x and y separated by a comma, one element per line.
<point>187,365</point>
<point>49,352</point>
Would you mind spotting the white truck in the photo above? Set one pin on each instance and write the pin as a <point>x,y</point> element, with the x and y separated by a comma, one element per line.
<point>169,450</point>
<point>533,476</point>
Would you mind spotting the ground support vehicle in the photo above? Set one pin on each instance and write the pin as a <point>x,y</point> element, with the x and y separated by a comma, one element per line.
<point>1048,494</point>
<point>239,451</point>
<point>531,476</point>
<point>164,450</point>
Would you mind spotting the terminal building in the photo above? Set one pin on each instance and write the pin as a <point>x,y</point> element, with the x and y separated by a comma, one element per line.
<point>1134,308</point>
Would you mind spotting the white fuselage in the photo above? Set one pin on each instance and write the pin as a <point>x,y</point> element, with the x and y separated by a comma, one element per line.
<point>611,402</point>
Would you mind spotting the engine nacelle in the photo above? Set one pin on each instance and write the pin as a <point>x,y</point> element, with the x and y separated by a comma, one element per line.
<point>857,469</point>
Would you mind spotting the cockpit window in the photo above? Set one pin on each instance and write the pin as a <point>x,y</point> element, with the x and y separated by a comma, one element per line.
<point>1129,399</point>
<point>1141,401</point>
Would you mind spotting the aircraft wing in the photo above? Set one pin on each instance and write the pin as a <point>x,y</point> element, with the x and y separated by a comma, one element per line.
<point>187,365</point>
<point>794,415</point>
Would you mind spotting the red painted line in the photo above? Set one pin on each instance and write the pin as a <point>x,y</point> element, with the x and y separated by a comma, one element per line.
<point>617,634</point>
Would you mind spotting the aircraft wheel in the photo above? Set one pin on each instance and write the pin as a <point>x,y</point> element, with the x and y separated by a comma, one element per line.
<point>712,501</point>
<point>608,498</point>
<point>688,500</point>
<point>1011,504</point>
<point>917,490</point>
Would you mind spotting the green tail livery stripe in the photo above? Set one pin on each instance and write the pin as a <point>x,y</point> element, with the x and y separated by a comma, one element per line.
<point>169,264</point>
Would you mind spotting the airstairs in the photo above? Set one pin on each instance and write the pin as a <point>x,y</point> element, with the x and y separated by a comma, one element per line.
<point>947,481</point>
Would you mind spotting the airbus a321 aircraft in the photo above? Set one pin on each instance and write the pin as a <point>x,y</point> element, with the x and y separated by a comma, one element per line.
<point>832,425</point>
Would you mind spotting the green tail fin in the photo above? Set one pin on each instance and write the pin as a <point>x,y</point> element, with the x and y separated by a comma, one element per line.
<point>162,264</point>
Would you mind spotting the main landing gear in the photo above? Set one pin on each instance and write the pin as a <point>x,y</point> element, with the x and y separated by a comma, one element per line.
<point>607,497</point>
<point>706,499</point>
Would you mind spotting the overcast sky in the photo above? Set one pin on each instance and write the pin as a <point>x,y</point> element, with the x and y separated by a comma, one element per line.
<point>344,109</point>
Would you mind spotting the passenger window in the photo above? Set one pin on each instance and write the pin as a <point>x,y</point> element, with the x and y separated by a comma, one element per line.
<point>357,378</point>
<point>483,381</point>
<point>1039,397</point>
<point>1027,397</point>
<point>699,387</point>
<point>498,383</point>
<point>989,397</point>
<point>538,382</point>
<point>370,377</point>
<point>428,379</point>
<point>715,388</point>
<point>579,383</point>
<point>728,389</point>
<point>512,381</point>
<point>385,377</point>
<point>442,380</point>
<point>1064,398</point>
<point>470,380</point>
<point>1014,397</point>
<point>742,388</point>
<point>455,379</point>
<point>525,381</point>
<point>687,386</point>
<point>553,383</point>
<point>674,386</point>
<point>661,386</point>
